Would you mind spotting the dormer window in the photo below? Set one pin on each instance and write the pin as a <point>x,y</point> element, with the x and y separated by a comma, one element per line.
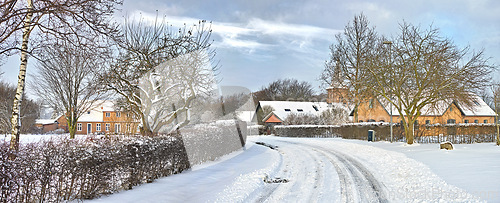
<point>288,110</point>
<point>88,112</point>
<point>300,110</point>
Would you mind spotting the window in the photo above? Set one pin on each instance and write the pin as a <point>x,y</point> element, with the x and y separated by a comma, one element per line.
<point>79,127</point>
<point>371,120</point>
<point>371,103</point>
<point>360,121</point>
<point>466,121</point>
<point>451,108</point>
<point>108,114</point>
<point>107,126</point>
<point>88,112</point>
<point>117,128</point>
<point>476,121</point>
<point>427,122</point>
<point>300,110</point>
<point>128,128</point>
<point>477,103</point>
<point>118,114</point>
<point>97,127</point>
<point>128,115</point>
<point>451,121</point>
<point>287,110</point>
<point>485,121</point>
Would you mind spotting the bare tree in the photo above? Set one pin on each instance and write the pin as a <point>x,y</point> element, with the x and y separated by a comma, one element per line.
<point>68,79</point>
<point>145,51</point>
<point>29,113</point>
<point>66,20</point>
<point>11,18</point>
<point>285,90</point>
<point>175,83</point>
<point>349,58</point>
<point>427,71</point>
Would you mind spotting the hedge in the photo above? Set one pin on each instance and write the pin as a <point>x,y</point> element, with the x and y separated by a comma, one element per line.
<point>455,133</point>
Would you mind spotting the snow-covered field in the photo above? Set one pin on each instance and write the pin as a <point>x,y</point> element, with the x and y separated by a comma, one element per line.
<point>333,170</point>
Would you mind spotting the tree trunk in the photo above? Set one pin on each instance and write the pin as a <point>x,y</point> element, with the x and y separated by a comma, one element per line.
<point>498,133</point>
<point>16,107</point>
<point>355,113</point>
<point>72,130</point>
<point>409,134</point>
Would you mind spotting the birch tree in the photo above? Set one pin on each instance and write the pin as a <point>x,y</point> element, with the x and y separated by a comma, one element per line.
<point>68,79</point>
<point>65,20</point>
<point>348,63</point>
<point>427,71</point>
<point>143,68</point>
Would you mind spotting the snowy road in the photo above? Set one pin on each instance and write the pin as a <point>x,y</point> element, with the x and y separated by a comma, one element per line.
<point>302,170</point>
<point>356,183</point>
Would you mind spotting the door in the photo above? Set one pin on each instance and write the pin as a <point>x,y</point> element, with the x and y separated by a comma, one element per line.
<point>89,128</point>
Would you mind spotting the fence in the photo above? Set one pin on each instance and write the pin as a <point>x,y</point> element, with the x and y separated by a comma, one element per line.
<point>457,134</point>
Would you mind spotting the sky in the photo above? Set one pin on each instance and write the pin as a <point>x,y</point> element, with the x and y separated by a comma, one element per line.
<point>260,41</point>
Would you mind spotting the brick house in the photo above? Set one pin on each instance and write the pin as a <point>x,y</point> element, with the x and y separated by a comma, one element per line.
<point>378,110</point>
<point>446,112</point>
<point>48,125</point>
<point>105,118</point>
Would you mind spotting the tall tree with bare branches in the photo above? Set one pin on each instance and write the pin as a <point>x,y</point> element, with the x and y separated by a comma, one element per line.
<point>68,79</point>
<point>348,63</point>
<point>161,70</point>
<point>427,71</point>
<point>31,20</point>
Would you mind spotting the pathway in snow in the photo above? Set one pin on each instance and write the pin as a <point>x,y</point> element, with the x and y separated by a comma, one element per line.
<point>356,183</point>
<point>302,170</point>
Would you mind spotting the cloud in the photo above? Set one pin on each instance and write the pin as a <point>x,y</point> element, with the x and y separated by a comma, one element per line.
<point>256,35</point>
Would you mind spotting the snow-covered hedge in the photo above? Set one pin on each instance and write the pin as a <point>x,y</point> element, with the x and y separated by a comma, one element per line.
<point>455,133</point>
<point>207,142</point>
<point>63,170</point>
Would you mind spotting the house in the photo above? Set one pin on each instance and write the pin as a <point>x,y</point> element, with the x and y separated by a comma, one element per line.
<point>105,118</point>
<point>282,109</point>
<point>49,125</point>
<point>445,112</point>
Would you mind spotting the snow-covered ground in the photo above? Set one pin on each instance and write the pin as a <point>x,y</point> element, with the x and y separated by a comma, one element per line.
<point>332,170</point>
<point>328,170</point>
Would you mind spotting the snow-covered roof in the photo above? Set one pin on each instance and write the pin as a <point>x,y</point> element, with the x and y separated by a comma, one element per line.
<point>479,108</point>
<point>45,121</point>
<point>284,108</point>
<point>96,112</point>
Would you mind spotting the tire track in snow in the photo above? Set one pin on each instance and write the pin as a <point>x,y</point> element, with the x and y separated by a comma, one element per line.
<point>356,181</point>
<point>299,180</point>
